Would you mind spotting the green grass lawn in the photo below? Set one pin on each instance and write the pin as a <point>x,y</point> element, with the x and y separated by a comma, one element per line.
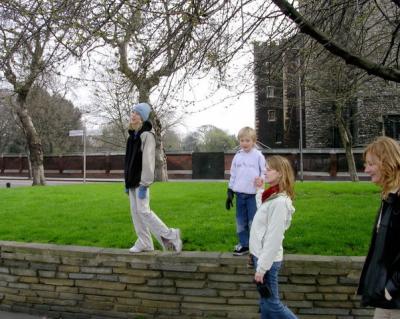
<point>330,219</point>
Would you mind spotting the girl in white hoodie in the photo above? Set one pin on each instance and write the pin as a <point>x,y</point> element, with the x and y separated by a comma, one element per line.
<point>272,218</point>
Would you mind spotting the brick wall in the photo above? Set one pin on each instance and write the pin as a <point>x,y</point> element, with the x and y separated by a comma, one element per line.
<point>86,282</point>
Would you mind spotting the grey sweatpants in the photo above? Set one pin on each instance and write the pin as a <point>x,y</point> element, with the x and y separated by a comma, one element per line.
<point>146,222</point>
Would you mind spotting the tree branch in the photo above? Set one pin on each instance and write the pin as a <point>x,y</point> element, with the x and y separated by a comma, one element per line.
<point>334,47</point>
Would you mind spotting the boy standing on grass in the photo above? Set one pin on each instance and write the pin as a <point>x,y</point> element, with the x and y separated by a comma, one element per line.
<point>248,164</point>
<point>139,174</point>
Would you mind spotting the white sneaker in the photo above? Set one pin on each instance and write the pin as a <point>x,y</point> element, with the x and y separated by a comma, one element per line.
<point>134,249</point>
<point>176,241</point>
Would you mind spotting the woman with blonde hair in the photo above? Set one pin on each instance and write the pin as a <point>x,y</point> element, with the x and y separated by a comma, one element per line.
<point>380,277</point>
<point>272,219</point>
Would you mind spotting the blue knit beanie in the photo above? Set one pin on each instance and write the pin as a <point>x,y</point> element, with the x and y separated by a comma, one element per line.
<point>143,109</point>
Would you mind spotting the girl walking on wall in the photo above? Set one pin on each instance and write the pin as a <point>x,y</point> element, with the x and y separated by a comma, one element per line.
<point>139,175</point>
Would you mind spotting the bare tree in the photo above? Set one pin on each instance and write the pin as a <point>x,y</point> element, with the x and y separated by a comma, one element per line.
<point>159,40</point>
<point>32,40</point>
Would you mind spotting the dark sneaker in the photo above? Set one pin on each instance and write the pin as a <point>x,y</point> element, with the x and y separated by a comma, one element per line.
<point>240,250</point>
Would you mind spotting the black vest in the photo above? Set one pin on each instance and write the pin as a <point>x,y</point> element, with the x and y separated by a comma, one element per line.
<point>134,156</point>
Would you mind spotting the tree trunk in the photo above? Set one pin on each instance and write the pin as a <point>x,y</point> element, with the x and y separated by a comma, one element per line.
<point>347,143</point>
<point>34,144</point>
<point>161,173</point>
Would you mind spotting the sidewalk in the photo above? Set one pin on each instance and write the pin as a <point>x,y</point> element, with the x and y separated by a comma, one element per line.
<point>18,315</point>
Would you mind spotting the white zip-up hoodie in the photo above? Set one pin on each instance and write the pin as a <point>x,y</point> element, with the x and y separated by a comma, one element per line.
<point>267,231</point>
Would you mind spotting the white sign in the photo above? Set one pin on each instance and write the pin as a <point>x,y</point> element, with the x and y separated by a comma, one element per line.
<point>76,133</point>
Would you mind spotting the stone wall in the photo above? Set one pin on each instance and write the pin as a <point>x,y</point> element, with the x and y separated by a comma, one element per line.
<point>86,282</point>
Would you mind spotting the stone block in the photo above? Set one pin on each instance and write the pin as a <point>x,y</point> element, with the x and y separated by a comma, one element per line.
<point>132,279</point>
<point>196,299</point>
<point>336,297</point>
<point>68,268</point>
<point>43,287</point>
<point>197,292</point>
<point>47,273</point>
<point>8,278</point>
<point>324,311</point>
<point>327,280</point>
<point>72,296</point>
<point>16,264</point>
<point>105,292</point>
<point>217,269</point>
<point>220,307</point>
<point>183,267</point>
<point>189,284</point>
<point>97,305</point>
<point>299,304</point>
<point>81,276</point>
<point>56,282</point>
<point>137,272</point>
<point>229,278</point>
<point>24,272</point>
<point>163,282</point>
<point>128,301</point>
<point>294,296</point>
<point>160,304</point>
<point>302,280</point>
<point>184,275</point>
<point>333,304</point>
<point>42,266</point>
<point>157,296</point>
<point>108,277</point>
<point>143,288</point>
<point>18,285</point>
<point>4,270</point>
<point>297,288</point>
<point>362,312</point>
<point>243,301</point>
<point>97,270</point>
<point>314,296</point>
<point>100,284</point>
<point>15,298</point>
<point>67,289</point>
<point>337,289</point>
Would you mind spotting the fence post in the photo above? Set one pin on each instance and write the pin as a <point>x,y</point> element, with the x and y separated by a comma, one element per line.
<point>333,164</point>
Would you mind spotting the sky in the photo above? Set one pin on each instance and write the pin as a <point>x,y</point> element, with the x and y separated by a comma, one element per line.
<point>230,116</point>
<point>224,109</point>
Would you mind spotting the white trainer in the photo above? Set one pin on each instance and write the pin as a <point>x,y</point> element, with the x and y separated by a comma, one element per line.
<point>134,249</point>
<point>177,241</point>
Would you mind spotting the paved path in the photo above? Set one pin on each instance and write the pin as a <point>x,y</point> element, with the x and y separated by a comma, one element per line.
<point>15,315</point>
<point>17,182</point>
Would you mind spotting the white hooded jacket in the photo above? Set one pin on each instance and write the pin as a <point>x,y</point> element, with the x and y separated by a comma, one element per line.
<point>272,219</point>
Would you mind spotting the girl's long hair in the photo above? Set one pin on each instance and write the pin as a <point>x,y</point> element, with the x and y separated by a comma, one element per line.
<point>387,151</point>
<point>283,166</point>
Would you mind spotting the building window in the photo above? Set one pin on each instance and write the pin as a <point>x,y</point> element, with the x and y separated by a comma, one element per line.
<point>270,91</point>
<point>271,116</point>
<point>392,126</point>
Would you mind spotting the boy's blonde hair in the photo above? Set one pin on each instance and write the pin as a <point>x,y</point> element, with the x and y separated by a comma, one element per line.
<point>247,132</point>
<point>387,151</point>
<point>284,168</point>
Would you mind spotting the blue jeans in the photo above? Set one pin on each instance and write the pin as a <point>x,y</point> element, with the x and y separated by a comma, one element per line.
<point>246,208</point>
<point>272,307</point>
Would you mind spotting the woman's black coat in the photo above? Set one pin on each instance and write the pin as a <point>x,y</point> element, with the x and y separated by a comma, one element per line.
<point>382,265</point>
